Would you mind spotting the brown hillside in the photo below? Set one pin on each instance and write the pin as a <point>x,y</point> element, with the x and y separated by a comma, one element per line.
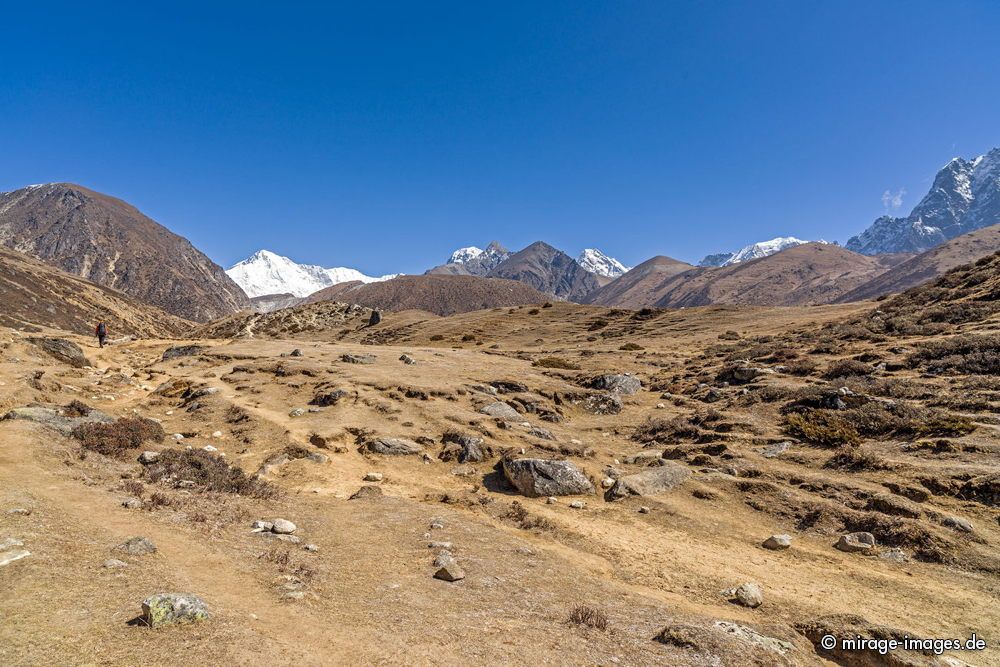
<point>929,265</point>
<point>109,242</point>
<point>35,294</point>
<point>636,288</point>
<point>438,294</point>
<point>808,274</point>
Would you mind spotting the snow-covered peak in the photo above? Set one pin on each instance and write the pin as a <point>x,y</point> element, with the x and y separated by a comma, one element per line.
<point>463,255</point>
<point>595,261</point>
<point>754,251</point>
<point>266,272</point>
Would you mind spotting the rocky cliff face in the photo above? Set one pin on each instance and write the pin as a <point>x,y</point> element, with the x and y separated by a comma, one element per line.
<point>965,197</point>
<point>548,270</point>
<point>109,242</point>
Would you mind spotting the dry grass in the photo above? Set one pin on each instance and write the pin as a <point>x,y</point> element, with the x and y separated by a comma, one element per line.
<point>207,472</point>
<point>582,614</point>
<point>119,438</point>
<point>555,362</point>
<point>822,428</point>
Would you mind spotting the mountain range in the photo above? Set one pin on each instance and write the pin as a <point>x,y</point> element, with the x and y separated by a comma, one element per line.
<point>111,244</point>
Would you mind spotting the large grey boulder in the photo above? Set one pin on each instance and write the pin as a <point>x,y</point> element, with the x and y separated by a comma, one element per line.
<point>537,477</point>
<point>649,482</point>
<point>501,410</point>
<point>856,542</point>
<point>603,404</point>
<point>617,383</point>
<point>55,419</point>
<point>169,608</point>
<point>63,350</point>
<point>393,446</point>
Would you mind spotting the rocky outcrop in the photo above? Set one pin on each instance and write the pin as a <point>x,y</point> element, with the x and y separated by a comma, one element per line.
<point>536,477</point>
<point>170,608</point>
<point>652,481</point>
<point>63,350</point>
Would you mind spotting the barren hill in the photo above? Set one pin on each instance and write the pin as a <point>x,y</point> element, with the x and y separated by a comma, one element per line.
<point>636,288</point>
<point>434,293</point>
<point>929,265</point>
<point>548,270</point>
<point>804,275</point>
<point>36,294</point>
<point>109,242</point>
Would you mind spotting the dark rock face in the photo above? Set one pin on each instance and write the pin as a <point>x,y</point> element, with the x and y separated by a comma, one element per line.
<point>537,477</point>
<point>63,350</point>
<point>109,242</point>
<point>548,270</point>
<point>375,318</point>
<point>965,196</point>
<point>328,398</point>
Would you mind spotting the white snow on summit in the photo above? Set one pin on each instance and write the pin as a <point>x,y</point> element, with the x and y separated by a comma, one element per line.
<point>595,261</point>
<point>266,273</point>
<point>754,251</point>
<point>463,255</point>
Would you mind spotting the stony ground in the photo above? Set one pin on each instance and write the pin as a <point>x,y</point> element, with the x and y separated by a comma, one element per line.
<point>647,576</point>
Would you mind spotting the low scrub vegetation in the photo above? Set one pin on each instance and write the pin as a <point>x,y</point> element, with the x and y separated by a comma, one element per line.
<point>556,362</point>
<point>206,472</point>
<point>582,614</point>
<point>118,438</point>
<point>968,354</point>
<point>822,428</point>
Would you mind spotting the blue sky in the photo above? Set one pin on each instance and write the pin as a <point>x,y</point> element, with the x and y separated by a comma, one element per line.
<point>381,136</point>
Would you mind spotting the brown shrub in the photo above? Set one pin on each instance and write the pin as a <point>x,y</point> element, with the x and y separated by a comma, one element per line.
<point>582,614</point>
<point>801,367</point>
<point>119,437</point>
<point>970,353</point>
<point>846,368</point>
<point>855,459</point>
<point>77,409</point>
<point>822,428</point>
<point>208,472</point>
<point>631,347</point>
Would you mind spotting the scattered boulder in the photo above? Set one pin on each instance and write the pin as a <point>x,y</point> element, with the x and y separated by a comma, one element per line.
<point>775,450</point>
<point>137,546</point>
<point>114,564</point>
<point>748,595</point>
<point>169,608</point>
<point>63,350</point>
<point>958,523</point>
<point>578,505</point>
<point>603,404</point>
<point>358,358</point>
<point>149,457</point>
<point>856,542</point>
<point>450,572</point>
<point>622,384</point>
<point>465,449</point>
<point>407,359</point>
<point>393,446</point>
<point>283,527</point>
<point>296,412</point>
<point>542,433</point>
<point>778,542</point>
<point>182,351</point>
<point>509,386</point>
<point>366,491</point>
<point>261,526</point>
<point>132,503</point>
<point>649,482</point>
<point>501,410</point>
<point>375,318</point>
<point>373,477</point>
<point>537,477</point>
<point>741,374</point>
<point>295,353</point>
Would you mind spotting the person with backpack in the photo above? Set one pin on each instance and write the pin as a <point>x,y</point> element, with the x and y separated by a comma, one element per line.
<point>102,333</point>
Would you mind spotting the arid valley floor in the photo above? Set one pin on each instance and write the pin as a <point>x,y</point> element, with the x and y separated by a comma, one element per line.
<point>809,422</point>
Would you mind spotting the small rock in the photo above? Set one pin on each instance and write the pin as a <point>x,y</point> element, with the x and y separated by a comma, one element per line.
<point>393,446</point>
<point>366,491</point>
<point>407,359</point>
<point>501,410</point>
<point>958,523</point>
<point>777,449</point>
<point>607,482</point>
<point>778,542</point>
<point>749,595</point>
<point>114,563</point>
<point>168,608</point>
<point>137,546</point>
<point>437,524</point>
<point>9,543</point>
<point>10,556</point>
<point>578,504</point>
<point>643,510</point>
<point>358,358</point>
<point>297,412</point>
<point>261,526</point>
<point>444,559</point>
<point>177,436</point>
<point>132,503</point>
<point>148,458</point>
<point>296,353</point>
<point>439,545</point>
<point>210,448</point>
<point>283,527</point>
<point>311,547</point>
<point>551,500</point>
<point>450,572</point>
<point>856,542</point>
<point>217,434</point>
<point>373,477</point>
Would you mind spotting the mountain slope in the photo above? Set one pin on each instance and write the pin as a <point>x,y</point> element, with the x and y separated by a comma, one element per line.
<point>266,273</point>
<point>472,261</point>
<point>965,196</point>
<point>929,265</point>
<point>439,294</point>
<point>108,241</point>
<point>36,294</point>
<point>548,270</point>
<point>635,289</point>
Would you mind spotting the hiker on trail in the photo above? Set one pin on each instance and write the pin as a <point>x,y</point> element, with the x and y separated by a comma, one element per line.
<point>102,333</point>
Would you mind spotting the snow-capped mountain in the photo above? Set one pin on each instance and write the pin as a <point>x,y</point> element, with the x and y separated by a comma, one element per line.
<point>266,272</point>
<point>597,262</point>
<point>753,251</point>
<point>464,255</point>
<point>965,196</point>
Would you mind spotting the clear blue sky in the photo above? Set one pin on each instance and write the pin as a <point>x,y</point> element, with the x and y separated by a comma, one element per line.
<point>381,136</point>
